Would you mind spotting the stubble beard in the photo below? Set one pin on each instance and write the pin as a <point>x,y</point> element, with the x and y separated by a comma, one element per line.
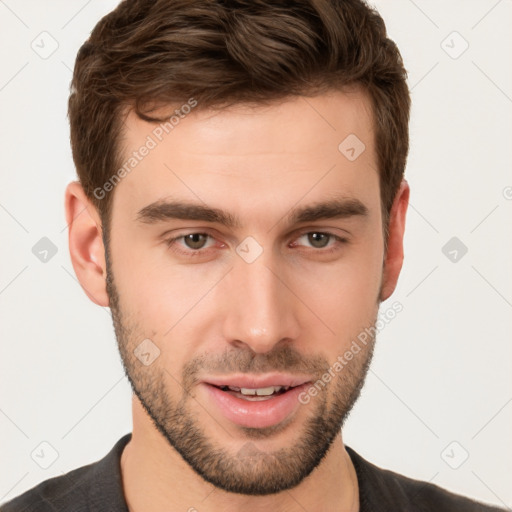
<point>247,470</point>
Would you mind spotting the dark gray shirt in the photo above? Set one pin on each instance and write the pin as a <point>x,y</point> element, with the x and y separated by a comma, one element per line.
<point>97,487</point>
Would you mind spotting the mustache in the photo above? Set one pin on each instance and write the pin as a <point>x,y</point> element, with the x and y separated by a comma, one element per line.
<point>283,358</point>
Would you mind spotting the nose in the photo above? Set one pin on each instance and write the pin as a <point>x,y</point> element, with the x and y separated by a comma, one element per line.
<point>261,310</point>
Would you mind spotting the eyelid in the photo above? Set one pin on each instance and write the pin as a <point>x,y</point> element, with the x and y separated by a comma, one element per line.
<point>338,238</point>
<point>327,231</point>
<point>176,238</point>
<point>170,242</point>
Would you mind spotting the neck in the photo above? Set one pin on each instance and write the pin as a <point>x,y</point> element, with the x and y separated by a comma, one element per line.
<point>156,479</point>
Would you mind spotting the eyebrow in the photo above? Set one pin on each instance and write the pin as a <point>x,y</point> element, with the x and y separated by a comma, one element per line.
<point>161,211</point>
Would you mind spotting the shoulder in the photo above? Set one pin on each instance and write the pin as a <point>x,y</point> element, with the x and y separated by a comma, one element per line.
<point>91,488</point>
<point>425,496</point>
<point>383,490</point>
<point>58,493</point>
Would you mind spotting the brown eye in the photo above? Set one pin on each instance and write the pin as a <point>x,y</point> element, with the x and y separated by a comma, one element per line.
<point>195,240</point>
<point>318,240</point>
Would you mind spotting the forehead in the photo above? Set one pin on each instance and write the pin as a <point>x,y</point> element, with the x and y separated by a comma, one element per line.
<point>243,155</point>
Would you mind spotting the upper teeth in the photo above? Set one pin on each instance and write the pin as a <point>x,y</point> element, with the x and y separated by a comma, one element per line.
<point>259,391</point>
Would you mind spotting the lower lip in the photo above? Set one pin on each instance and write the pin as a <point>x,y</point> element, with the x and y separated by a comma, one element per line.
<point>256,414</point>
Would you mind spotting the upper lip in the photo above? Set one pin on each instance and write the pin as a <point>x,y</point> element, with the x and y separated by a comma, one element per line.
<point>258,381</point>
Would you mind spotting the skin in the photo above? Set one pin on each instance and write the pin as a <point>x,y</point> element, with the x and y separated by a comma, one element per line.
<point>296,308</point>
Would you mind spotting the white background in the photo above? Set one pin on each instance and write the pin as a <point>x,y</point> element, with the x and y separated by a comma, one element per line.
<point>442,368</point>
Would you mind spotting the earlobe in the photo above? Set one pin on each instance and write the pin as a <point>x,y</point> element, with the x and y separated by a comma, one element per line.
<point>86,243</point>
<point>394,256</point>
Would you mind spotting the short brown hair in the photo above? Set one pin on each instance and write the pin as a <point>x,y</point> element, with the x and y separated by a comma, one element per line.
<point>149,53</point>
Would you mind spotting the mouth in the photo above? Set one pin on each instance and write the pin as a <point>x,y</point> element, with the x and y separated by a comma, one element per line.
<point>255,402</point>
<point>255,394</point>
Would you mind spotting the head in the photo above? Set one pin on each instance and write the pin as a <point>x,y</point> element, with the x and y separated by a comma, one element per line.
<point>241,165</point>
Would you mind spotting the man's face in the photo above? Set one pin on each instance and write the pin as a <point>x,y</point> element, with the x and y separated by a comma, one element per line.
<point>268,300</point>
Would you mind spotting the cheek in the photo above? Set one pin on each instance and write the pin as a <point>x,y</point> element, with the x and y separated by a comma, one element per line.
<point>345,294</point>
<point>153,289</point>
<point>166,302</point>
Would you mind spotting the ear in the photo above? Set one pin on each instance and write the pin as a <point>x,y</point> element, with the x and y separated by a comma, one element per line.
<point>86,243</point>
<point>394,256</point>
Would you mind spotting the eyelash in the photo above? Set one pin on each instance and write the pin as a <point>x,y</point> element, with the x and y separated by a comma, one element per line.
<point>171,243</point>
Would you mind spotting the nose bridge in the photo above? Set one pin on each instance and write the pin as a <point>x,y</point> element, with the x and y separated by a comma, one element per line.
<point>261,309</point>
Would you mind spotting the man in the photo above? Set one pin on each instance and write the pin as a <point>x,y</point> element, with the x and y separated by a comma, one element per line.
<point>241,210</point>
